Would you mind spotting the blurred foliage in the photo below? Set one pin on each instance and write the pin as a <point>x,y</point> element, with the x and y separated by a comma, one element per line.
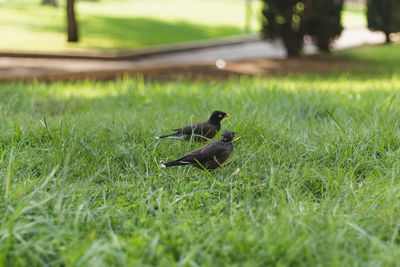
<point>384,15</point>
<point>292,19</point>
<point>284,19</point>
<point>324,23</point>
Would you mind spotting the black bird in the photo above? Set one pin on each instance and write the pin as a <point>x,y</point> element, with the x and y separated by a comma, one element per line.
<point>210,156</point>
<point>200,131</point>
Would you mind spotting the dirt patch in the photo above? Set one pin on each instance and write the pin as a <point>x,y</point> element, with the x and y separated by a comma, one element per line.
<point>256,67</point>
<point>263,67</point>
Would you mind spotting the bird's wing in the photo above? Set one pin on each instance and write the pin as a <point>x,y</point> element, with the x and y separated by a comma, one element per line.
<point>196,128</point>
<point>205,153</point>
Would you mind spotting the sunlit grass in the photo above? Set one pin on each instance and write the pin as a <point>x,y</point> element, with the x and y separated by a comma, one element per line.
<point>354,17</point>
<point>313,178</point>
<point>120,24</point>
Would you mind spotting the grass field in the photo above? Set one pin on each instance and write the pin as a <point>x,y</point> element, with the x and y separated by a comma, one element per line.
<point>313,179</point>
<point>120,24</point>
<point>354,16</point>
<point>127,24</point>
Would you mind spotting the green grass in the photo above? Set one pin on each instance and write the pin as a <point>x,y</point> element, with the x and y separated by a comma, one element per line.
<point>354,17</point>
<point>313,179</point>
<point>380,61</point>
<point>127,24</point>
<point>119,24</point>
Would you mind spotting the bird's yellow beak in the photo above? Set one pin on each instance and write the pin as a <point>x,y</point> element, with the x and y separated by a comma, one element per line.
<point>234,135</point>
<point>227,115</point>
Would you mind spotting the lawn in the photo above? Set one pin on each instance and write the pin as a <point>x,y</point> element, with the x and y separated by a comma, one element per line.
<point>354,16</point>
<point>313,179</point>
<point>120,24</point>
<point>127,24</point>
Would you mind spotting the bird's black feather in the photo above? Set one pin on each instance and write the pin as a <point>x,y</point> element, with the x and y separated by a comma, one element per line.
<point>201,131</point>
<point>210,156</point>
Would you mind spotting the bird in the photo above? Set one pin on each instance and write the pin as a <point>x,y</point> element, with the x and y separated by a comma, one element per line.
<point>210,156</point>
<point>201,131</point>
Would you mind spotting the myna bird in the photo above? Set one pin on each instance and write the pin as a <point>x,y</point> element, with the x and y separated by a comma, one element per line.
<point>210,156</point>
<point>200,131</point>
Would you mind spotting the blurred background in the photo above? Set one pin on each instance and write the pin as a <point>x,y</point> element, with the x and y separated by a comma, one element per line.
<point>41,37</point>
<point>41,25</point>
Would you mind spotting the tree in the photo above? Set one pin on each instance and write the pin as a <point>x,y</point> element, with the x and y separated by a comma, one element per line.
<point>283,19</point>
<point>290,20</point>
<point>384,15</point>
<point>324,22</point>
<point>72,27</point>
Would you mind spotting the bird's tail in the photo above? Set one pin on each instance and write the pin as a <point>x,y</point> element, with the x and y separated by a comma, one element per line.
<point>175,163</point>
<point>172,136</point>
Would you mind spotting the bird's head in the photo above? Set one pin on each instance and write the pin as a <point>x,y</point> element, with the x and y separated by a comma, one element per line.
<point>217,116</point>
<point>227,136</point>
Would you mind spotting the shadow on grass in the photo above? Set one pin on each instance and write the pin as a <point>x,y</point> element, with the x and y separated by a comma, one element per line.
<point>119,33</point>
<point>358,64</point>
<point>125,32</point>
<point>378,60</point>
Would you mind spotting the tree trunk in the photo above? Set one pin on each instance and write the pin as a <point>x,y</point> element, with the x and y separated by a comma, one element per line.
<point>293,44</point>
<point>323,44</point>
<point>50,2</point>
<point>387,35</point>
<point>72,27</point>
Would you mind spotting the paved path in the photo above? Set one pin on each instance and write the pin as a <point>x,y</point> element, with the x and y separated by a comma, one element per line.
<point>13,68</point>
